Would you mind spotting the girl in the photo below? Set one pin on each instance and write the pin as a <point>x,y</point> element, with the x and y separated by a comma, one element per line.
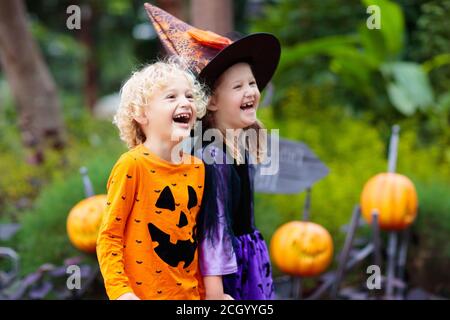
<point>226,223</point>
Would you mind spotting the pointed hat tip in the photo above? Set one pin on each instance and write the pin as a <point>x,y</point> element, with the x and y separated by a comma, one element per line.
<point>150,8</point>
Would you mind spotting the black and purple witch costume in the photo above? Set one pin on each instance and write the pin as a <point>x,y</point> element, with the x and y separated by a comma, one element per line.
<point>230,244</point>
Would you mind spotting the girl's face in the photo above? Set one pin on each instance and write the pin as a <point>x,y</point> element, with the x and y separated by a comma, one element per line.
<point>236,98</point>
<point>170,113</point>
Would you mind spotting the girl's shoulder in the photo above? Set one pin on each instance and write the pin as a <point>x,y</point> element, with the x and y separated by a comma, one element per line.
<point>219,168</point>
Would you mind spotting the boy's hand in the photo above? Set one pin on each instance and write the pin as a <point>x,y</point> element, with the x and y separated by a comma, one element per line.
<point>128,296</point>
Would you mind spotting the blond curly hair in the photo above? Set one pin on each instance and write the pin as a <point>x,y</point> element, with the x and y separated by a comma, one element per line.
<point>137,91</point>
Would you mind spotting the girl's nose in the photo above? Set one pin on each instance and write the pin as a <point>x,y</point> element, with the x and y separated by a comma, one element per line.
<point>249,93</point>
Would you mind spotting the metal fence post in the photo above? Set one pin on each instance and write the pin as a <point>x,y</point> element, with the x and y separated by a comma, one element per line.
<point>392,250</point>
<point>343,257</point>
<point>88,188</point>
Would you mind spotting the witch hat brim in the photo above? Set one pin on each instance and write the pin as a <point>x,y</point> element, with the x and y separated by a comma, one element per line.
<point>260,50</point>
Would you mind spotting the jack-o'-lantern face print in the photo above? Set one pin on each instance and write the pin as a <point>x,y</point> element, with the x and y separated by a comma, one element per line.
<point>172,226</point>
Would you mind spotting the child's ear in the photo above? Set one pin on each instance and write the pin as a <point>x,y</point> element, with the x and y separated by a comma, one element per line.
<point>212,105</point>
<point>141,119</point>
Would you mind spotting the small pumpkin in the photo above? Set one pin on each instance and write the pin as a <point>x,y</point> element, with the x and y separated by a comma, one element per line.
<point>83,222</point>
<point>301,248</point>
<point>395,198</point>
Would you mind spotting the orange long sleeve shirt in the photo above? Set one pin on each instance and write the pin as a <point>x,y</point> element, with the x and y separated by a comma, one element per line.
<point>146,241</point>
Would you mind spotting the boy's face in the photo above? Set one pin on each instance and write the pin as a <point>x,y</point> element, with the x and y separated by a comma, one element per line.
<point>235,98</point>
<point>171,113</point>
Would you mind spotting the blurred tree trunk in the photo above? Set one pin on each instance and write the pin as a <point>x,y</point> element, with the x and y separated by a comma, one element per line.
<point>174,7</point>
<point>216,16</point>
<point>30,81</point>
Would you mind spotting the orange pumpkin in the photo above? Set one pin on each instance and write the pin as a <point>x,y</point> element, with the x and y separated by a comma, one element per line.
<point>301,248</point>
<point>84,222</point>
<point>395,198</point>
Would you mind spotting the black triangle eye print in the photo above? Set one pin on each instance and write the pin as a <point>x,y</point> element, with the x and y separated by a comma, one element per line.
<point>166,200</point>
<point>192,198</point>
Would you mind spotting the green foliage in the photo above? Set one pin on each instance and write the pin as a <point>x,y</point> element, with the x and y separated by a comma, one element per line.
<point>391,29</point>
<point>410,89</point>
<point>43,236</point>
<point>431,38</point>
<point>354,151</point>
<point>364,71</point>
<point>317,24</point>
<point>65,53</point>
<point>429,253</point>
<point>433,220</point>
<point>365,67</point>
<point>56,186</point>
<point>295,21</point>
<point>109,48</point>
<point>21,182</point>
<point>16,182</point>
<point>40,197</point>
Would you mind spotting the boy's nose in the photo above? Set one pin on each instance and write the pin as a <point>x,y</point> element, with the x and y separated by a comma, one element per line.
<point>185,102</point>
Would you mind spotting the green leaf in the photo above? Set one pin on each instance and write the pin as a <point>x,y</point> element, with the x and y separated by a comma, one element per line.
<point>443,103</point>
<point>374,44</point>
<point>436,62</point>
<point>400,99</point>
<point>408,86</point>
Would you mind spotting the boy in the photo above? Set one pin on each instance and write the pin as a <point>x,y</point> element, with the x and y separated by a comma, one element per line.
<point>146,246</point>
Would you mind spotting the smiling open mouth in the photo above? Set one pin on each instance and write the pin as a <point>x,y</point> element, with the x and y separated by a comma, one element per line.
<point>172,254</point>
<point>184,117</point>
<point>247,105</point>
